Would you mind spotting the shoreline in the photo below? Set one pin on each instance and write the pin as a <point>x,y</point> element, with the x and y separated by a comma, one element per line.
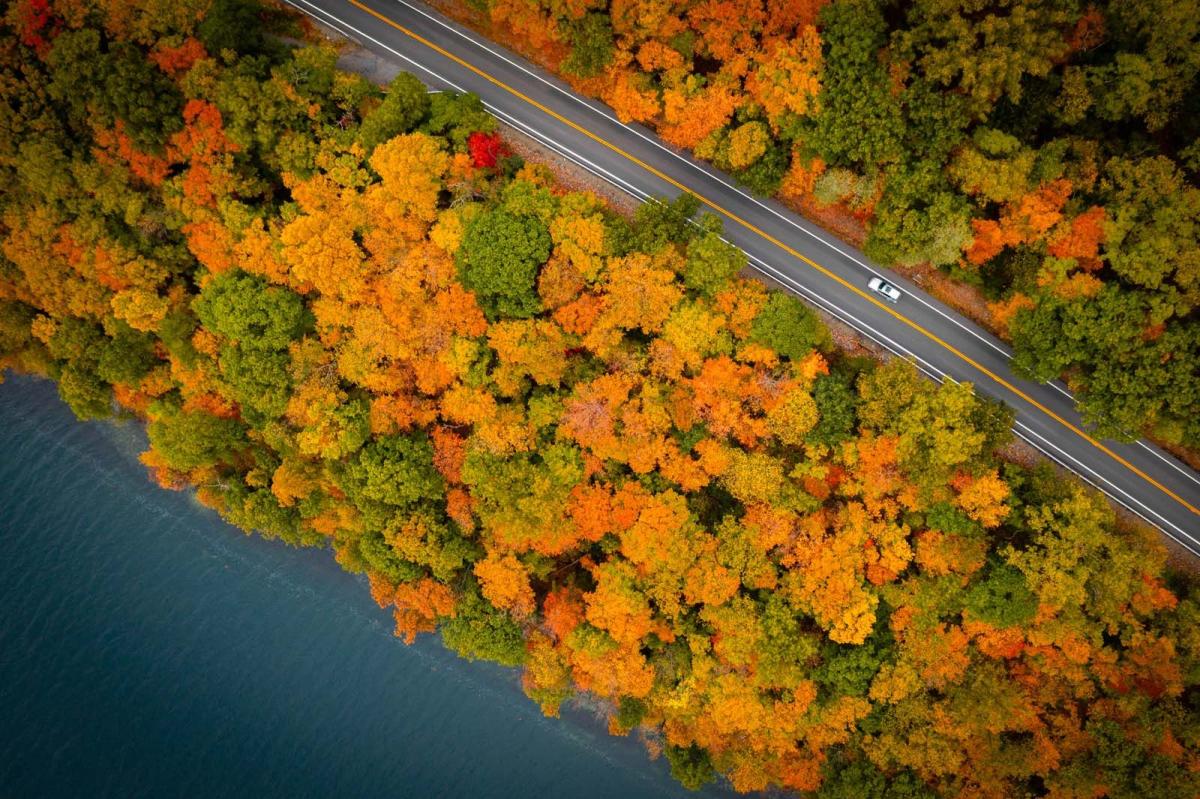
<point>300,583</point>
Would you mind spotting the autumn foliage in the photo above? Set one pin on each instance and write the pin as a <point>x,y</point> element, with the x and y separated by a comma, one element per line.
<point>485,149</point>
<point>577,443</point>
<point>1044,154</point>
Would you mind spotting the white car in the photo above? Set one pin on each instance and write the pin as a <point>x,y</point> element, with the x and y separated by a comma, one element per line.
<point>881,286</point>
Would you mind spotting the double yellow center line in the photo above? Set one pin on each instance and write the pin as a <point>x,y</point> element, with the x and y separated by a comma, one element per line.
<point>786,248</point>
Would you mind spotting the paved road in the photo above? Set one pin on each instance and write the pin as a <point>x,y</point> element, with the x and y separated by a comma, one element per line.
<point>826,271</point>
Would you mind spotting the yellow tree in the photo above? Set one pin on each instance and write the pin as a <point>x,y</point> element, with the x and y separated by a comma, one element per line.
<point>504,581</point>
<point>788,79</point>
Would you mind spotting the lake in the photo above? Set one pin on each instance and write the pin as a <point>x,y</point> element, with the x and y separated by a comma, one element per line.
<point>149,649</point>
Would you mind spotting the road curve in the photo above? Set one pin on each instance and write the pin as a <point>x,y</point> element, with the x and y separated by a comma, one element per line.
<point>789,250</point>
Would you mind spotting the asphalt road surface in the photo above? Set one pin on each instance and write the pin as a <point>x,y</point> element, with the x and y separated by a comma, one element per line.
<point>789,250</point>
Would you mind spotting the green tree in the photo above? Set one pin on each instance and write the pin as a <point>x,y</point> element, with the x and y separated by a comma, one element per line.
<point>379,557</point>
<point>248,311</point>
<point>44,170</point>
<point>885,392</point>
<point>479,631</point>
<point>175,331</point>
<point>88,396</point>
<point>428,540</point>
<point>691,765</point>
<point>522,498</point>
<point>994,166</point>
<point>941,429</point>
<point>837,408</point>
<point>258,510</point>
<point>951,428</point>
<point>1000,598</point>
<point>404,106</point>
<point>660,223</point>
<point>785,657</point>
<point>312,71</point>
<point>77,340</point>
<point>861,779</point>
<point>15,319</point>
<point>131,89</point>
<point>73,64</point>
<point>935,123</point>
<point>848,670</point>
<point>456,116</point>
<point>591,46</point>
<point>98,86</point>
<point>711,262</point>
<point>499,260</point>
<point>630,712</point>
<point>766,174</point>
<point>1128,770</point>
<point>1152,62</point>
<point>789,327</point>
<point>267,123</point>
<point>1127,380</point>
<point>78,345</point>
<point>258,379</point>
<point>919,220</point>
<point>128,356</point>
<point>982,50</point>
<point>1153,238</point>
<point>395,470</point>
<point>860,124</point>
<point>232,25</point>
<point>188,440</point>
<point>340,431</point>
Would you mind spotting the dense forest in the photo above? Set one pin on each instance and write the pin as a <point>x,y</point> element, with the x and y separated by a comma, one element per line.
<point>1044,151</point>
<point>571,441</point>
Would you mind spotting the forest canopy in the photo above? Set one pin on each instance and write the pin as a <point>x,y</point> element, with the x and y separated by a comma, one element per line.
<point>572,441</point>
<point>1044,152</point>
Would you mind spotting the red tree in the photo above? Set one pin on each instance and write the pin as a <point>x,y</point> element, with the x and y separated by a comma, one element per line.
<point>486,149</point>
<point>36,25</point>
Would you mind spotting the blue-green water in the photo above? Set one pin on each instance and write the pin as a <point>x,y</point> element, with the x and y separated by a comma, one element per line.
<point>149,649</point>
